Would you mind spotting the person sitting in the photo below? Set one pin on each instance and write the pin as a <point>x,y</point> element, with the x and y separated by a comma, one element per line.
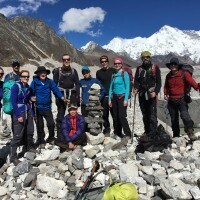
<point>73,129</point>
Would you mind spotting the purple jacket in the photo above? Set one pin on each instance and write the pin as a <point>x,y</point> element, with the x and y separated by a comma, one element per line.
<point>20,101</point>
<point>66,127</point>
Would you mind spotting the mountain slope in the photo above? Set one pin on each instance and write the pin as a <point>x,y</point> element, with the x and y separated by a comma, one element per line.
<point>24,38</point>
<point>167,40</point>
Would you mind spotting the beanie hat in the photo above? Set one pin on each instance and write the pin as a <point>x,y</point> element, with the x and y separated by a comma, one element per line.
<point>118,60</point>
<point>145,54</point>
<point>85,68</point>
<point>15,63</point>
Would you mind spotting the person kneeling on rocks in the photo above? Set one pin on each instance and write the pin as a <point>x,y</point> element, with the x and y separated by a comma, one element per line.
<point>73,129</point>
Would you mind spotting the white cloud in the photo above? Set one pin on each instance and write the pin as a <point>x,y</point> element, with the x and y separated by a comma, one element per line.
<point>82,21</point>
<point>2,1</point>
<point>24,7</point>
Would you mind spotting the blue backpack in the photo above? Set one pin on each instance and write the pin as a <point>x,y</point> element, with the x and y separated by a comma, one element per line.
<point>7,105</point>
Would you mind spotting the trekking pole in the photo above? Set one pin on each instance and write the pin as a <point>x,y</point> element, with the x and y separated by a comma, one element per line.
<point>133,117</point>
<point>87,183</point>
<point>130,100</point>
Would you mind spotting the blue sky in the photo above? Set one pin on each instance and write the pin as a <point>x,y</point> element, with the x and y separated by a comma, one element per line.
<point>81,21</point>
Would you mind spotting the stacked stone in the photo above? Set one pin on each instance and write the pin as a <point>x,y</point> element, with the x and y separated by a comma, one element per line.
<point>95,113</point>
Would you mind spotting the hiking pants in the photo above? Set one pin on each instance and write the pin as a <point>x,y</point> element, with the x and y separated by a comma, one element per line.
<point>61,108</point>
<point>174,107</point>
<point>149,112</point>
<point>119,117</point>
<point>47,114</point>
<point>106,110</point>
<point>22,133</point>
<point>84,112</point>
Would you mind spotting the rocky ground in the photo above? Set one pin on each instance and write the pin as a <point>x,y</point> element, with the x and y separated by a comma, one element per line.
<point>50,174</point>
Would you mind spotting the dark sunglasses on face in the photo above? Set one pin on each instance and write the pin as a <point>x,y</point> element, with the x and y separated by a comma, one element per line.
<point>66,59</point>
<point>104,61</point>
<point>1,73</point>
<point>173,64</point>
<point>117,63</point>
<point>25,76</point>
<point>85,72</point>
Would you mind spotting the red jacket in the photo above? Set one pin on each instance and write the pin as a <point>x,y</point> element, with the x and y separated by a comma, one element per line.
<point>175,86</point>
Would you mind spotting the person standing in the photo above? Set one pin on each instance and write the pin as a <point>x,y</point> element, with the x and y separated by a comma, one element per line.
<point>85,85</point>
<point>118,99</point>
<point>67,81</point>
<point>1,87</point>
<point>104,75</point>
<point>41,88</point>
<point>14,75</point>
<point>175,91</point>
<point>147,84</point>
<point>22,117</point>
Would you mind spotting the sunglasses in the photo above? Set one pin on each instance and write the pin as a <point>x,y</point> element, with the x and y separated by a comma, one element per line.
<point>25,76</point>
<point>173,64</point>
<point>66,59</point>
<point>85,72</point>
<point>117,63</point>
<point>104,61</point>
<point>1,73</point>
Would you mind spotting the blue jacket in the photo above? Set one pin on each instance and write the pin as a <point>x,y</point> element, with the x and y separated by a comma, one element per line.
<point>1,92</point>
<point>66,127</point>
<point>120,85</point>
<point>86,85</point>
<point>42,91</point>
<point>20,99</point>
<point>11,75</point>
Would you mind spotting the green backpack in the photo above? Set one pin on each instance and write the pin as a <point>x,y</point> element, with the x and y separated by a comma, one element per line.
<point>7,105</point>
<point>120,191</point>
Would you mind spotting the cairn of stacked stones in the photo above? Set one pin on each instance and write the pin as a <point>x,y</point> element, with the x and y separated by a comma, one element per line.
<point>95,113</point>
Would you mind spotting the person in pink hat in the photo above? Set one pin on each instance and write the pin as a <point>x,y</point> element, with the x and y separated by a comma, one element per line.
<point>118,99</point>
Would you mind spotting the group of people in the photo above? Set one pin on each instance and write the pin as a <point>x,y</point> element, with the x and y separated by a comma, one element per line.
<point>34,102</point>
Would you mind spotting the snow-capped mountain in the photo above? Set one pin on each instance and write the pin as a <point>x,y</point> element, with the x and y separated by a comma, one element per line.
<point>167,40</point>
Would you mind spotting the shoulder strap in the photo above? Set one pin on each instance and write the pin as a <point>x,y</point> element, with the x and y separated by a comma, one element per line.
<point>49,83</point>
<point>20,88</point>
<point>11,76</point>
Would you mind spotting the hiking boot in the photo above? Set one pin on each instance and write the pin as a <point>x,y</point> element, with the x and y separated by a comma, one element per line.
<point>32,149</point>
<point>16,162</point>
<point>125,139</point>
<point>191,134</point>
<point>42,146</point>
<point>51,140</point>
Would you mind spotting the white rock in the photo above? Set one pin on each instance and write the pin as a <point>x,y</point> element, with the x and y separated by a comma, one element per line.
<point>152,155</point>
<point>142,189</point>
<point>107,140</point>
<point>79,183</point>
<point>147,170</point>
<point>176,164</point>
<point>128,171</point>
<point>87,163</point>
<point>62,194</point>
<point>3,191</point>
<point>62,167</point>
<point>160,172</point>
<point>156,166</point>
<point>101,178</point>
<point>111,153</point>
<point>195,191</point>
<point>196,145</point>
<point>78,174</point>
<point>176,175</point>
<point>45,183</point>
<point>48,154</point>
<point>95,139</point>
<point>10,170</point>
<point>150,190</point>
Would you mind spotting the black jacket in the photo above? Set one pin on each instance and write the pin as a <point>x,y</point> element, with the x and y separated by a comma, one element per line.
<point>147,78</point>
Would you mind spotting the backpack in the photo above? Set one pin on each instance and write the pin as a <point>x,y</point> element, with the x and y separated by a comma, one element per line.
<point>60,73</point>
<point>190,69</point>
<point>120,191</point>
<point>153,70</point>
<point>7,105</point>
<point>130,73</point>
<point>154,142</point>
